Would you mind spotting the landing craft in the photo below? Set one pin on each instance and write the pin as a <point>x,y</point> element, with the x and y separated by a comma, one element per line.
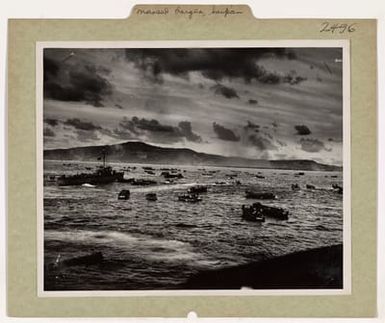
<point>103,175</point>
<point>257,212</point>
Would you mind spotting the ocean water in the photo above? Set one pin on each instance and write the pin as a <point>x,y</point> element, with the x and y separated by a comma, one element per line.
<point>158,245</point>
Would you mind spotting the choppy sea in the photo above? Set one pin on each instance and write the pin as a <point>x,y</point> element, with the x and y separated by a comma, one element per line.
<point>149,245</point>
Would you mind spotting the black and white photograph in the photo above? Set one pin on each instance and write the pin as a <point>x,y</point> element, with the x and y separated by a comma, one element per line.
<point>208,167</point>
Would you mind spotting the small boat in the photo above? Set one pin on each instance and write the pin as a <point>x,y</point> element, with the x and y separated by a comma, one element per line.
<point>337,188</point>
<point>142,182</point>
<point>147,168</point>
<point>310,187</point>
<point>198,189</point>
<point>168,175</point>
<point>258,211</point>
<point>124,195</point>
<point>192,198</point>
<point>50,179</point>
<point>251,214</point>
<point>295,187</point>
<point>220,183</point>
<point>250,194</point>
<point>151,197</point>
<point>259,176</point>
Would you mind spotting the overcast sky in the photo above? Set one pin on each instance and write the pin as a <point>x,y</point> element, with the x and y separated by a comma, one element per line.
<point>270,103</point>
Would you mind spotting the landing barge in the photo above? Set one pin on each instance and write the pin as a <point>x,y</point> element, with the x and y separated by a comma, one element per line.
<point>102,175</point>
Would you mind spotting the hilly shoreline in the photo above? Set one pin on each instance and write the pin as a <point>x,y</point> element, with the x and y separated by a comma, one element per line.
<point>139,152</point>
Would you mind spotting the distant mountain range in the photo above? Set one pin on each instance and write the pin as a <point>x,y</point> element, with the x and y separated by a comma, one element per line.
<point>139,152</point>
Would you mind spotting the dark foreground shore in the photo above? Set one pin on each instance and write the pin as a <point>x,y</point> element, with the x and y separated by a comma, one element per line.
<point>319,268</point>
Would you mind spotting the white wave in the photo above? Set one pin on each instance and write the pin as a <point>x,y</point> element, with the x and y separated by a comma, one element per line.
<point>88,185</point>
<point>165,187</point>
<point>138,245</point>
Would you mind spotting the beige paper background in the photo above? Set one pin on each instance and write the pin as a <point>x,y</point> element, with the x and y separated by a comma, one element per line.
<point>22,219</point>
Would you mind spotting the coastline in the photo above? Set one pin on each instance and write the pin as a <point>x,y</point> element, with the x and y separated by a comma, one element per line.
<point>320,268</point>
<point>160,164</point>
<point>140,152</point>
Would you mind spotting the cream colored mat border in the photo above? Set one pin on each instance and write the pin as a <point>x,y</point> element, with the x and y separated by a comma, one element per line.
<point>22,274</point>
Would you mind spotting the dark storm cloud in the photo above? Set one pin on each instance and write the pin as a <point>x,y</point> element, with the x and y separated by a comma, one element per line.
<point>48,132</point>
<point>82,125</point>
<point>128,125</point>
<point>214,63</point>
<point>103,70</point>
<point>225,91</point>
<point>302,130</point>
<point>261,143</point>
<point>155,130</point>
<point>77,83</point>
<point>51,122</point>
<point>154,125</point>
<point>186,130</point>
<point>312,145</point>
<point>224,133</point>
<point>252,136</point>
<point>51,68</point>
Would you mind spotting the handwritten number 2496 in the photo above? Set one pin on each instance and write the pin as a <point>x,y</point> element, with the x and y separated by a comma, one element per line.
<point>337,28</point>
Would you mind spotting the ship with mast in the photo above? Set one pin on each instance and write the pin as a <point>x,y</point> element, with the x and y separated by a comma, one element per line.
<point>103,174</point>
